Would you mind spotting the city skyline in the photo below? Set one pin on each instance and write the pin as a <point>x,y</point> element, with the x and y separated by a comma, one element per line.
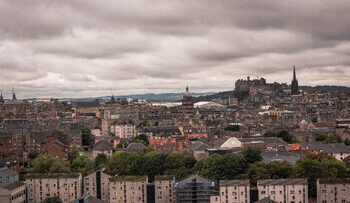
<point>88,48</point>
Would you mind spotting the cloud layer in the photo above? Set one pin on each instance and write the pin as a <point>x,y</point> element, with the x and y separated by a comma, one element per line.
<point>79,48</point>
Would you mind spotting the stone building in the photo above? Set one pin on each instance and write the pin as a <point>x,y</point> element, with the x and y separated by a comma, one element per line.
<point>164,188</point>
<point>96,184</point>
<point>284,190</point>
<point>232,191</point>
<point>14,192</point>
<point>187,102</point>
<point>333,190</point>
<point>128,189</point>
<point>67,186</point>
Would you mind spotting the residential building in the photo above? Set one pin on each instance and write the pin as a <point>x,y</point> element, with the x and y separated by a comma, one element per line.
<point>102,147</point>
<point>164,188</point>
<point>97,184</point>
<point>284,190</point>
<point>14,192</point>
<point>333,190</point>
<point>7,175</point>
<point>194,189</point>
<point>128,189</point>
<point>67,186</point>
<point>233,191</point>
<point>124,130</point>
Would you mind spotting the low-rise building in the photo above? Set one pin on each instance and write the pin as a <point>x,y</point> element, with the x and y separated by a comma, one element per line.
<point>67,186</point>
<point>284,190</point>
<point>164,188</point>
<point>14,192</point>
<point>7,175</point>
<point>333,190</point>
<point>128,189</point>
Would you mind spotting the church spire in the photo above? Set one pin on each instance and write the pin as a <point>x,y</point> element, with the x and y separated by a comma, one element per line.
<point>1,98</point>
<point>294,75</point>
<point>294,86</point>
<point>13,95</point>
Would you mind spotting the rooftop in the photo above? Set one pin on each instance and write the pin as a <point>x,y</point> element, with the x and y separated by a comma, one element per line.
<point>13,185</point>
<point>52,175</point>
<point>128,178</point>
<point>297,181</point>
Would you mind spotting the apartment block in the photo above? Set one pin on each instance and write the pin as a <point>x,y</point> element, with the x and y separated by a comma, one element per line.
<point>96,184</point>
<point>232,191</point>
<point>333,190</point>
<point>284,190</point>
<point>14,192</point>
<point>128,189</point>
<point>164,188</point>
<point>67,186</point>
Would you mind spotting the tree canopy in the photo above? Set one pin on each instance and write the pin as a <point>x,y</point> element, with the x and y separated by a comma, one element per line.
<point>49,164</point>
<point>87,137</point>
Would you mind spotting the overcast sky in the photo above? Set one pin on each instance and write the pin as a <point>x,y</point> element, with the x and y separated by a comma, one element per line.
<point>79,48</point>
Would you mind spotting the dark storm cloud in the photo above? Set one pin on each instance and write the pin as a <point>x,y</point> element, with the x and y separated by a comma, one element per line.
<point>88,47</point>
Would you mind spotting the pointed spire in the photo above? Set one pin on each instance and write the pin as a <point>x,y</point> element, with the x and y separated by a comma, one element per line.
<point>294,75</point>
<point>1,98</point>
<point>187,88</point>
<point>13,95</point>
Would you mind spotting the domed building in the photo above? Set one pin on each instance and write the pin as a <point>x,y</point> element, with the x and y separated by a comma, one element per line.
<point>187,102</point>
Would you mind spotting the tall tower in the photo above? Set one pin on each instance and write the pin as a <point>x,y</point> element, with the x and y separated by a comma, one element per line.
<point>295,86</point>
<point>1,99</point>
<point>13,95</point>
<point>187,102</point>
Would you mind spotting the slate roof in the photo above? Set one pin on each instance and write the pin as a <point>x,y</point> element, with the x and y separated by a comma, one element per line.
<point>334,180</point>
<point>198,146</point>
<point>327,147</point>
<point>279,156</point>
<point>13,185</point>
<point>102,146</point>
<point>234,182</point>
<point>296,181</point>
<point>9,172</point>
<point>135,147</point>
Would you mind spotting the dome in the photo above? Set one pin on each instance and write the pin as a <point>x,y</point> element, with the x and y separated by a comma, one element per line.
<point>187,93</point>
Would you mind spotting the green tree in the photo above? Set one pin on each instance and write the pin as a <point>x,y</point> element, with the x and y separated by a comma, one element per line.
<point>228,166</point>
<point>148,149</point>
<point>270,134</point>
<point>32,155</point>
<point>334,139</point>
<point>49,164</point>
<point>73,153</point>
<point>82,164</point>
<point>154,164</point>
<point>279,169</point>
<point>252,155</point>
<point>320,136</point>
<point>175,160</point>
<point>144,123</point>
<point>142,137</point>
<point>100,161</point>
<point>87,137</point>
<point>122,144</point>
<point>54,199</point>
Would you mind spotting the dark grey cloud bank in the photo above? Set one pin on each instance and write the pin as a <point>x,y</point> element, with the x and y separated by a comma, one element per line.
<point>79,48</point>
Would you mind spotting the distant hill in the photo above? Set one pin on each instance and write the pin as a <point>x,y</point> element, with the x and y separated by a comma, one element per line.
<point>159,97</point>
<point>219,95</point>
<point>326,88</point>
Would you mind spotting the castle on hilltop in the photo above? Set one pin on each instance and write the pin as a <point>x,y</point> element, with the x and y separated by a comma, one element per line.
<point>252,86</point>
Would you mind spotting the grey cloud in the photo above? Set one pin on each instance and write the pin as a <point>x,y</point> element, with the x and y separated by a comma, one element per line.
<point>87,47</point>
